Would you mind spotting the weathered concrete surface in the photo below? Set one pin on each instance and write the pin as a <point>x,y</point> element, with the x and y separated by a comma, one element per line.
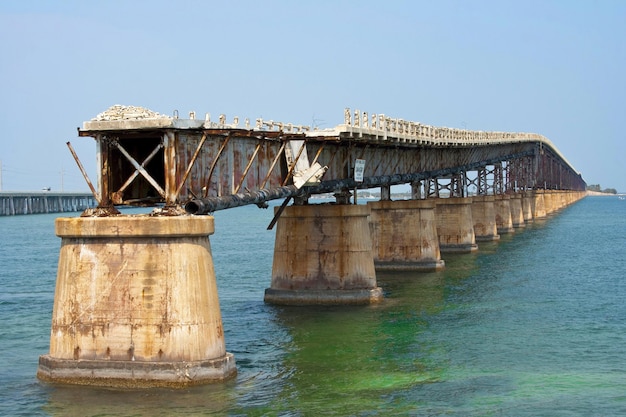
<point>528,203</point>
<point>517,214</point>
<point>504,220</point>
<point>549,202</point>
<point>484,218</point>
<point>455,228</point>
<point>538,204</point>
<point>404,235</point>
<point>323,255</point>
<point>136,304</point>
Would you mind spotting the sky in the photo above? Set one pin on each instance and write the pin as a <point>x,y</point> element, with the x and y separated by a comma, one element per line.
<point>557,68</point>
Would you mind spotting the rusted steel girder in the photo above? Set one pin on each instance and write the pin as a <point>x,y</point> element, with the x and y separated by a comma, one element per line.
<point>212,204</point>
<point>185,161</point>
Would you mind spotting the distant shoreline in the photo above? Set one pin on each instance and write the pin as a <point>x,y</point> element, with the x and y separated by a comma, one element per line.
<point>602,194</point>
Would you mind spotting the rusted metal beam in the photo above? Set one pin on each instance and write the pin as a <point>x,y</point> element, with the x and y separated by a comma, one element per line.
<point>136,173</point>
<point>294,163</point>
<point>278,213</point>
<point>188,170</point>
<point>245,171</point>
<point>141,169</point>
<point>82,170</point>
<point>213,163</point>
<point>271,168</point>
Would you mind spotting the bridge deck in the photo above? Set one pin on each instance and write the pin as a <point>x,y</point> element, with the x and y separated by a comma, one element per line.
<point>174,161</point>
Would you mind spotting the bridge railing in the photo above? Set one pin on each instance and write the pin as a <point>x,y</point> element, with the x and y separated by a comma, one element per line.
<point>375,126</point>
<point>381,127</point>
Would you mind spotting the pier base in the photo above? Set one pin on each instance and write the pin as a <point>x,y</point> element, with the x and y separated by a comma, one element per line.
<point>323,255</point>
<point>549,201</point>
<point>136,304</point>
<point>404,235</point>
<point>528,202</point>
<point>517,214</point>
<point>504,220</point>
<point>455,228</point>
<point>538,204</point>
<point>484,218</point>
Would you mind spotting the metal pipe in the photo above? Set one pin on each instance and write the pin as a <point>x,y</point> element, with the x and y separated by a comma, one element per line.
<point>211,204</point>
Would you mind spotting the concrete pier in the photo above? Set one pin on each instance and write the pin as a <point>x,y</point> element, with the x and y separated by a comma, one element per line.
<point>323,255</point>
<point>538,204</point>
<point>455,228</point>
<point>528,203</point>
<point>136,304</point>
<point>559,199</point>
<point>484,218</point>
<point>404,235</point>
<point>549,201</point>
<point>504,219</point>
<point>517,214</point>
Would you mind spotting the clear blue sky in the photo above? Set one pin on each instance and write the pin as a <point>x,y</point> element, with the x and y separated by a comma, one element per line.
<point>556,68</point>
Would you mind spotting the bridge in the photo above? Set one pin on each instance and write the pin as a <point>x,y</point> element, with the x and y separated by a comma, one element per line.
<point>208,166</point>
<point>136,301</point>
<point>15,203</point>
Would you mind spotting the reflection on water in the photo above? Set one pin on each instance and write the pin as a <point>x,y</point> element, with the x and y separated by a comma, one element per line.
<point>87,401</point>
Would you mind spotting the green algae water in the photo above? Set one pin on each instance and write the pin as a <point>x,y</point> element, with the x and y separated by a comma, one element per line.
<point>531,325</point>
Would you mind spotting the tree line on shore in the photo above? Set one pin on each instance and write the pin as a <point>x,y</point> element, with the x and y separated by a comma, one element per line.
<point>597,188</point>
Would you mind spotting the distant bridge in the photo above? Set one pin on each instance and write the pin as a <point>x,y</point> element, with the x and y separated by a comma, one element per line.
<point>14,203</point>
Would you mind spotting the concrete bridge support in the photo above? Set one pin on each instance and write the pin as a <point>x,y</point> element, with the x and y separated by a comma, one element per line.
<point>484,218</point>
<point>136,304</point>
<point>528,204</point>
<point>323,255</point>
<point>561,199</point>
<point>549,201</point>
<point>404,235</point>
<point>517,214</point>
<point>455,228</point>
<point>504,220</point>
<point>573,196</point>
<point>538,204</point>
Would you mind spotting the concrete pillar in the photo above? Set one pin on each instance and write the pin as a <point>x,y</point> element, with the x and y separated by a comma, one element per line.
<point>517,215</point>
<point>484,218</point>
<point>323,255</point>
<point>538,206</point>
<point>563,199</point>
<point>528,202</point>
<point>557,203</point>
<point>404,235</point>
<point>136,304</point>
<point>504,220</point>
<point>549,202</point>
<point>557,200</point>
<point>455,228</point>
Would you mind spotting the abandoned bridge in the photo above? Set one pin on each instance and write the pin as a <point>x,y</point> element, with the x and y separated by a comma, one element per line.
<point>144,285</point>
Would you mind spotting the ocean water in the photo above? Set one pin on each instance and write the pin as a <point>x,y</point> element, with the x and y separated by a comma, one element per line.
<point>532,325</point>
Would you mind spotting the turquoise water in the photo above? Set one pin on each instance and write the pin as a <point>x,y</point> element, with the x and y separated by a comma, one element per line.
<point>532,325</point>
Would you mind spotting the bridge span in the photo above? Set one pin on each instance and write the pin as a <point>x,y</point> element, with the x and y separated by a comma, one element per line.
<point>136,301</point>
<point>39,202</point>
